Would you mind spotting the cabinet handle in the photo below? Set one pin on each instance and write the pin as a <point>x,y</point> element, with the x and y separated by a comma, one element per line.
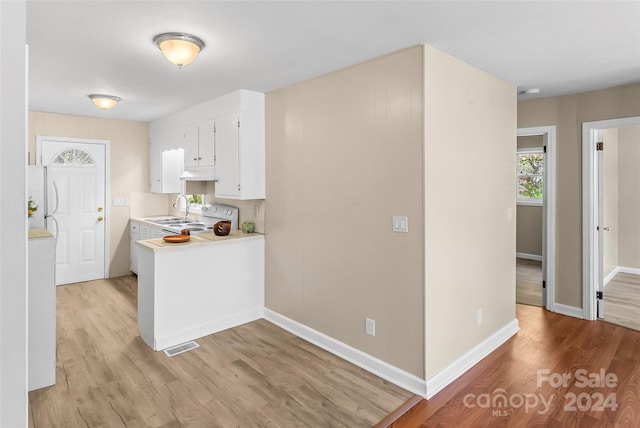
<point>195,158</point>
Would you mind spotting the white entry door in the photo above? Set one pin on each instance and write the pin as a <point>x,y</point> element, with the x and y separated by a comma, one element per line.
<point>78,170</point>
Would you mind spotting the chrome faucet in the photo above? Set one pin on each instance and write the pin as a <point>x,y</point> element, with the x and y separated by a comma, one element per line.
<point>186,204</point>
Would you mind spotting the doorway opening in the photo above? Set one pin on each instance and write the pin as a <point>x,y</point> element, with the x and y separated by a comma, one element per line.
<point>606,254</point>
<point>536,216</point>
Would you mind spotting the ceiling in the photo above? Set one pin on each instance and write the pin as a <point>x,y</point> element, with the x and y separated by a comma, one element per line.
<point>82,47</point>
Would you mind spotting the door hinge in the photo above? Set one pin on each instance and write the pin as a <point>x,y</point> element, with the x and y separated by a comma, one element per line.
<point>544,284</point>
<point>238,122</point>
<point>544,149</point>
<point>600,146</point>
<point>238,187</point>
<point>599,295</point>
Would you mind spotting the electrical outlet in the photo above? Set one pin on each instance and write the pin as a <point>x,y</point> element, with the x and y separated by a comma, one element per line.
<point>370,326</point>
<point>479,316</point>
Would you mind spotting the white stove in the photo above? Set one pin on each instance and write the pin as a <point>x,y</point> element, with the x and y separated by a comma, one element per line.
<point>211,214</point>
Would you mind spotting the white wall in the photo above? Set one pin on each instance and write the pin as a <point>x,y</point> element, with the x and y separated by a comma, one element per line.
<point>13,216</point>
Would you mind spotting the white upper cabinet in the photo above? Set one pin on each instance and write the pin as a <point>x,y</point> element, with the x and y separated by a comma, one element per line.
<point>240,160</point>
<point>206,153</point>
<point>198,144</point>
<point>211,138</point>
<point>190,145</point>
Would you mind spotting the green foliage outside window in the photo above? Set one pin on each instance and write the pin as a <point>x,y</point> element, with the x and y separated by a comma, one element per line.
<point>195,199</point>
<point>530,174</point>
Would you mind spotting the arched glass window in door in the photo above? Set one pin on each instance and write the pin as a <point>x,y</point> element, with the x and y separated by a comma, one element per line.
<point>74,157</point>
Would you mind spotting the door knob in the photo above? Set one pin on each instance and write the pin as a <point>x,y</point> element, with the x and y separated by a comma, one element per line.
<point>100,218</point>
<point>99,209</point>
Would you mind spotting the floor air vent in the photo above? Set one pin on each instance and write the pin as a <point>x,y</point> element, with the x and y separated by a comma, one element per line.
<point>179,349</point>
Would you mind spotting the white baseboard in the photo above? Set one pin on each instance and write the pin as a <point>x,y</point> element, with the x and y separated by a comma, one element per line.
<point>571,311</point>
<point>450,373</point>
<point>609,277</point>
<point>198,331</point>
<point>369,363</point>
<point>632,271</point>
<point>529,256</point>
<point>620,269</point>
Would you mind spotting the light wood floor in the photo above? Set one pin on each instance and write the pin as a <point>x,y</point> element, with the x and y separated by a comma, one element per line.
<point>254,375</point>
<point>550,341</point>
<point>622,301</point>
<point>528,282</point>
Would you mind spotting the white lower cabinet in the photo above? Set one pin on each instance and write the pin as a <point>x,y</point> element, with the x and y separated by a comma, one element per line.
<point>190,291</point>
<point>134,235</point>
<point>42,313</point>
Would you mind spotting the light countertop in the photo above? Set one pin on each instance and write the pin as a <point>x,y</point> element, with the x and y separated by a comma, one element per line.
<point>39,233</point>
<point>158,244</point>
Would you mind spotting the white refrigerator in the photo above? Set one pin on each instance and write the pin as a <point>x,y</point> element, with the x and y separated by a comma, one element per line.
<point>43,191</point>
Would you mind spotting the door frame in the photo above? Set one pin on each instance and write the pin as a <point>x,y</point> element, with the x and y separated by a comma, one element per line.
<point>548,134</point>
<point>591,132</point>
<point>107,181</point>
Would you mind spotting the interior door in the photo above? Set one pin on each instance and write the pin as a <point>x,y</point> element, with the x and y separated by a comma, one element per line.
<point>78,169</point>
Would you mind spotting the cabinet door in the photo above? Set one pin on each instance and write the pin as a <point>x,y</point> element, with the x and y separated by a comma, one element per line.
<point>205,143</point>
<point>190,145</point>
<point>134,233</point>
<point>155,166</point>
<point>227,151</point>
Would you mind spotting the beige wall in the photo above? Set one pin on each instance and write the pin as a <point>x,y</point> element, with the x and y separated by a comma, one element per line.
<point>354,140</point>
<point>629,197</point>
<point>530,141</point>
<point>344,154</point>
<point>567,113</point>
<point>129,172</point>
<point>470,237</point>
<point>529,230</point>
<point>610,200</point>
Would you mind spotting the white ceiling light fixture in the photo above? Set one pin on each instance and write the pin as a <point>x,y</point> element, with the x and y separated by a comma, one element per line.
<point>179,48</point>
<point>104,102</point>
<point>531,91</point>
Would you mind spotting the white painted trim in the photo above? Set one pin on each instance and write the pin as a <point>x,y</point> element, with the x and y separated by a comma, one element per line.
<point>198,331</point>
<point>609,277</point>
<point>439,381</point>
<point>632,271</point>
<point>571,311</point>
<point>529,256</point>
<point>589,209</point>
<point>107,184</point>
<point>529,202</point>
<point>549,209</point>
<point>369,363</point>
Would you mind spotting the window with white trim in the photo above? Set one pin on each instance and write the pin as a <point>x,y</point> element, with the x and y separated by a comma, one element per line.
<point>195,203</point>
<point>530,176</point>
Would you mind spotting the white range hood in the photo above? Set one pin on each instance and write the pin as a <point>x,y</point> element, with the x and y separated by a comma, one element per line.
<point>199,173</point>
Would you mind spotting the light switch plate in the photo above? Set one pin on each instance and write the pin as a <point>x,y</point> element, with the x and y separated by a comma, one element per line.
<point>400,223</point>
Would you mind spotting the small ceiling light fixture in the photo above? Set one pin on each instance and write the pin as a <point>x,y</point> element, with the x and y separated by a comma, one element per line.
<point>104,102</point>
<point>531,91</point>
<point>179,48</point>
